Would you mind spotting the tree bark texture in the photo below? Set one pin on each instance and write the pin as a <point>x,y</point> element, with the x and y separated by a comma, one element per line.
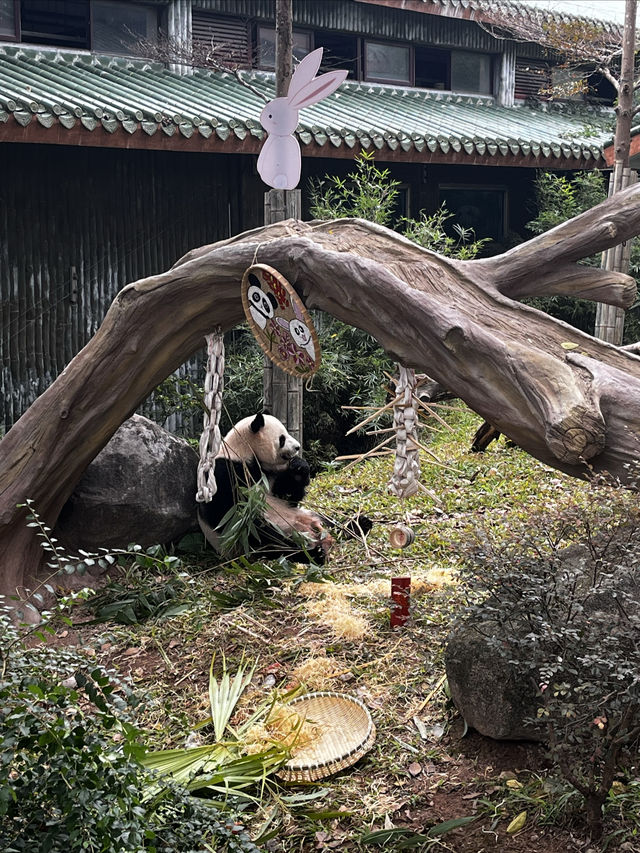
<point>567,398</point>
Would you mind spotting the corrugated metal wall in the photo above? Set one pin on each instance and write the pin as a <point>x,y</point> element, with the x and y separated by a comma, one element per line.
<point>76,225</point>
<point>376,21</point>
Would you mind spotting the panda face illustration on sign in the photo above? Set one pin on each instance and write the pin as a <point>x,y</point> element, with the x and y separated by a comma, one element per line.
<point>300,333</point>
<point>261,304</point>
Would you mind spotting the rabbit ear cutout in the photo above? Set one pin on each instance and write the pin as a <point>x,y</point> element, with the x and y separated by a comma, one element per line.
<point>317,89</point>
<point>305,71</point>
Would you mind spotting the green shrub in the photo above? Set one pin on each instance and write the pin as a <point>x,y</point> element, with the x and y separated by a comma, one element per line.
<point>582,657</point>
<point>70,776</point>
<point>366,193</point>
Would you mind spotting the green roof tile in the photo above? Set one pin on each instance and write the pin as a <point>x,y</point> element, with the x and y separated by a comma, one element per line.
<point>60,87</point>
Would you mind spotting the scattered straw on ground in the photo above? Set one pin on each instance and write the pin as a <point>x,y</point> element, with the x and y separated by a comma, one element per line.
<point>316,673</point>
<point>336,612</point>
<point>422,582</point>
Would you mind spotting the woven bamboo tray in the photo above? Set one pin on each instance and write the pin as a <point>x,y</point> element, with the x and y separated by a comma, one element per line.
<point>346,733</point>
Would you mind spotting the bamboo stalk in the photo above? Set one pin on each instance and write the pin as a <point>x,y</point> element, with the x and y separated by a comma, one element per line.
<point>433,414</point>
<point>362,455</point>
<point>368,453</point>
<point>436,461</point>
<point>426,701</point>
<point>371,417</point>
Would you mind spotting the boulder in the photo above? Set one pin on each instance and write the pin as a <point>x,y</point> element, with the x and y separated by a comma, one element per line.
<point>139,489</point>
<point>492,693</point>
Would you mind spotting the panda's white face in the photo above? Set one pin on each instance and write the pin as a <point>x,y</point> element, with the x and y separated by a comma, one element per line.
<point>274,447</point>
<point>263,437</point>
<point>260,306</point>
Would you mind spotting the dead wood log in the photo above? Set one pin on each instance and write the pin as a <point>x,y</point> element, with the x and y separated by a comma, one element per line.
<point>568,399</point>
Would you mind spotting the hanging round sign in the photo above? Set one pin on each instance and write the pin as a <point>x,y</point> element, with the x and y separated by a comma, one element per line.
<point>279,321</point>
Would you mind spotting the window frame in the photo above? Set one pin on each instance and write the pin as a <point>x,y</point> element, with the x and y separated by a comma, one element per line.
<point>385,43</point>
<point>152,8</point>
<point>61,42</point>
<point>266,26</point>
<point>491,76</point>
<point>17,34</point>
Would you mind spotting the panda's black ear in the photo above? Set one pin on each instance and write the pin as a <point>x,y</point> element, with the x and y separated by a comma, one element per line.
<point>257,423</point>
<point>272,300</point>
<point>254,280</point>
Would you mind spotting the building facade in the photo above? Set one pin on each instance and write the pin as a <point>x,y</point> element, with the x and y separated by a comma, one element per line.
<point>129,134</point>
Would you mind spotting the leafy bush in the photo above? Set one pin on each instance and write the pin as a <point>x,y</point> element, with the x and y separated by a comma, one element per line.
<point>70,775</point>
<point>570,623</point>
<point>559,198</point>
<point>430,232</point>
<point>367,193</point>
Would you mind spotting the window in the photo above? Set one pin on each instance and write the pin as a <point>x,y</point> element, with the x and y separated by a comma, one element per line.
<point>340,52</point>
<point>104,25</point>
<point>432,68</point>
<point>119,27</point>
<point>267,46</point>
<point>387,63</point>
<point>8,19</point>
<point>57,22</point>
<point>481,208</point>
<point>470,72</point>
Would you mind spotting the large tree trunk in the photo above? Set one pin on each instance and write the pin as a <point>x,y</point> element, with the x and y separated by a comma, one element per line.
<point>569,399</point>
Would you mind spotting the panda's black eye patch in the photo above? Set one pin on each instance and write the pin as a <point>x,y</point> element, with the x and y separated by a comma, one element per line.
<point>282,440</point>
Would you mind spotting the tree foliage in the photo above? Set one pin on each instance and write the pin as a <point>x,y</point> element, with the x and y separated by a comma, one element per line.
<point>581,47</point>
<point>559,198</point>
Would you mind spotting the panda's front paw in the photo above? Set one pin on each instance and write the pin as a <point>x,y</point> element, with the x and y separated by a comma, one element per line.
<point>299,468</point>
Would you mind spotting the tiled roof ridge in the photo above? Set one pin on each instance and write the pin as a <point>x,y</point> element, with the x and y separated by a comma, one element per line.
<point>513,7</point>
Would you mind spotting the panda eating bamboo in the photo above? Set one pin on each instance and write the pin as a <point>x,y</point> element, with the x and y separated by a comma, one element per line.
<point>260,445</point>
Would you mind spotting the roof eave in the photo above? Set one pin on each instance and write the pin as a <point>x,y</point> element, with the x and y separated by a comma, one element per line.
<point>55,133</point>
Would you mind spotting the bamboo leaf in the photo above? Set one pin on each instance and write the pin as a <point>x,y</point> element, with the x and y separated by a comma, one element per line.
<point>448,825</point>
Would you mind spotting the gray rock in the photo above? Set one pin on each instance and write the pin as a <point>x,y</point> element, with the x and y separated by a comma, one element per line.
<point>140,488</point>
<point>493,695</point>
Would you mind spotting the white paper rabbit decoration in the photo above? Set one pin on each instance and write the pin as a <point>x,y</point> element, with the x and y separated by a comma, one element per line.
<point>279,162</point>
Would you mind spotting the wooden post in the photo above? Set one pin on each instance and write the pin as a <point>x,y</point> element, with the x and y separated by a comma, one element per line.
<point>282,392</point>
<point>610,320</point>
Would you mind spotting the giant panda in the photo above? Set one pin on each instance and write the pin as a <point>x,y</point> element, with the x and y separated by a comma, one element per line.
<point>257,445</point>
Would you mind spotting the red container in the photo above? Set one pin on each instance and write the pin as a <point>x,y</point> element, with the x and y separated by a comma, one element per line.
<point>400,595</point>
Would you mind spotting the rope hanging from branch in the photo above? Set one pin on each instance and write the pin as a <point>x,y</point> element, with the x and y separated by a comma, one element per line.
<point>405,478</point>
<point>210,439</point>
